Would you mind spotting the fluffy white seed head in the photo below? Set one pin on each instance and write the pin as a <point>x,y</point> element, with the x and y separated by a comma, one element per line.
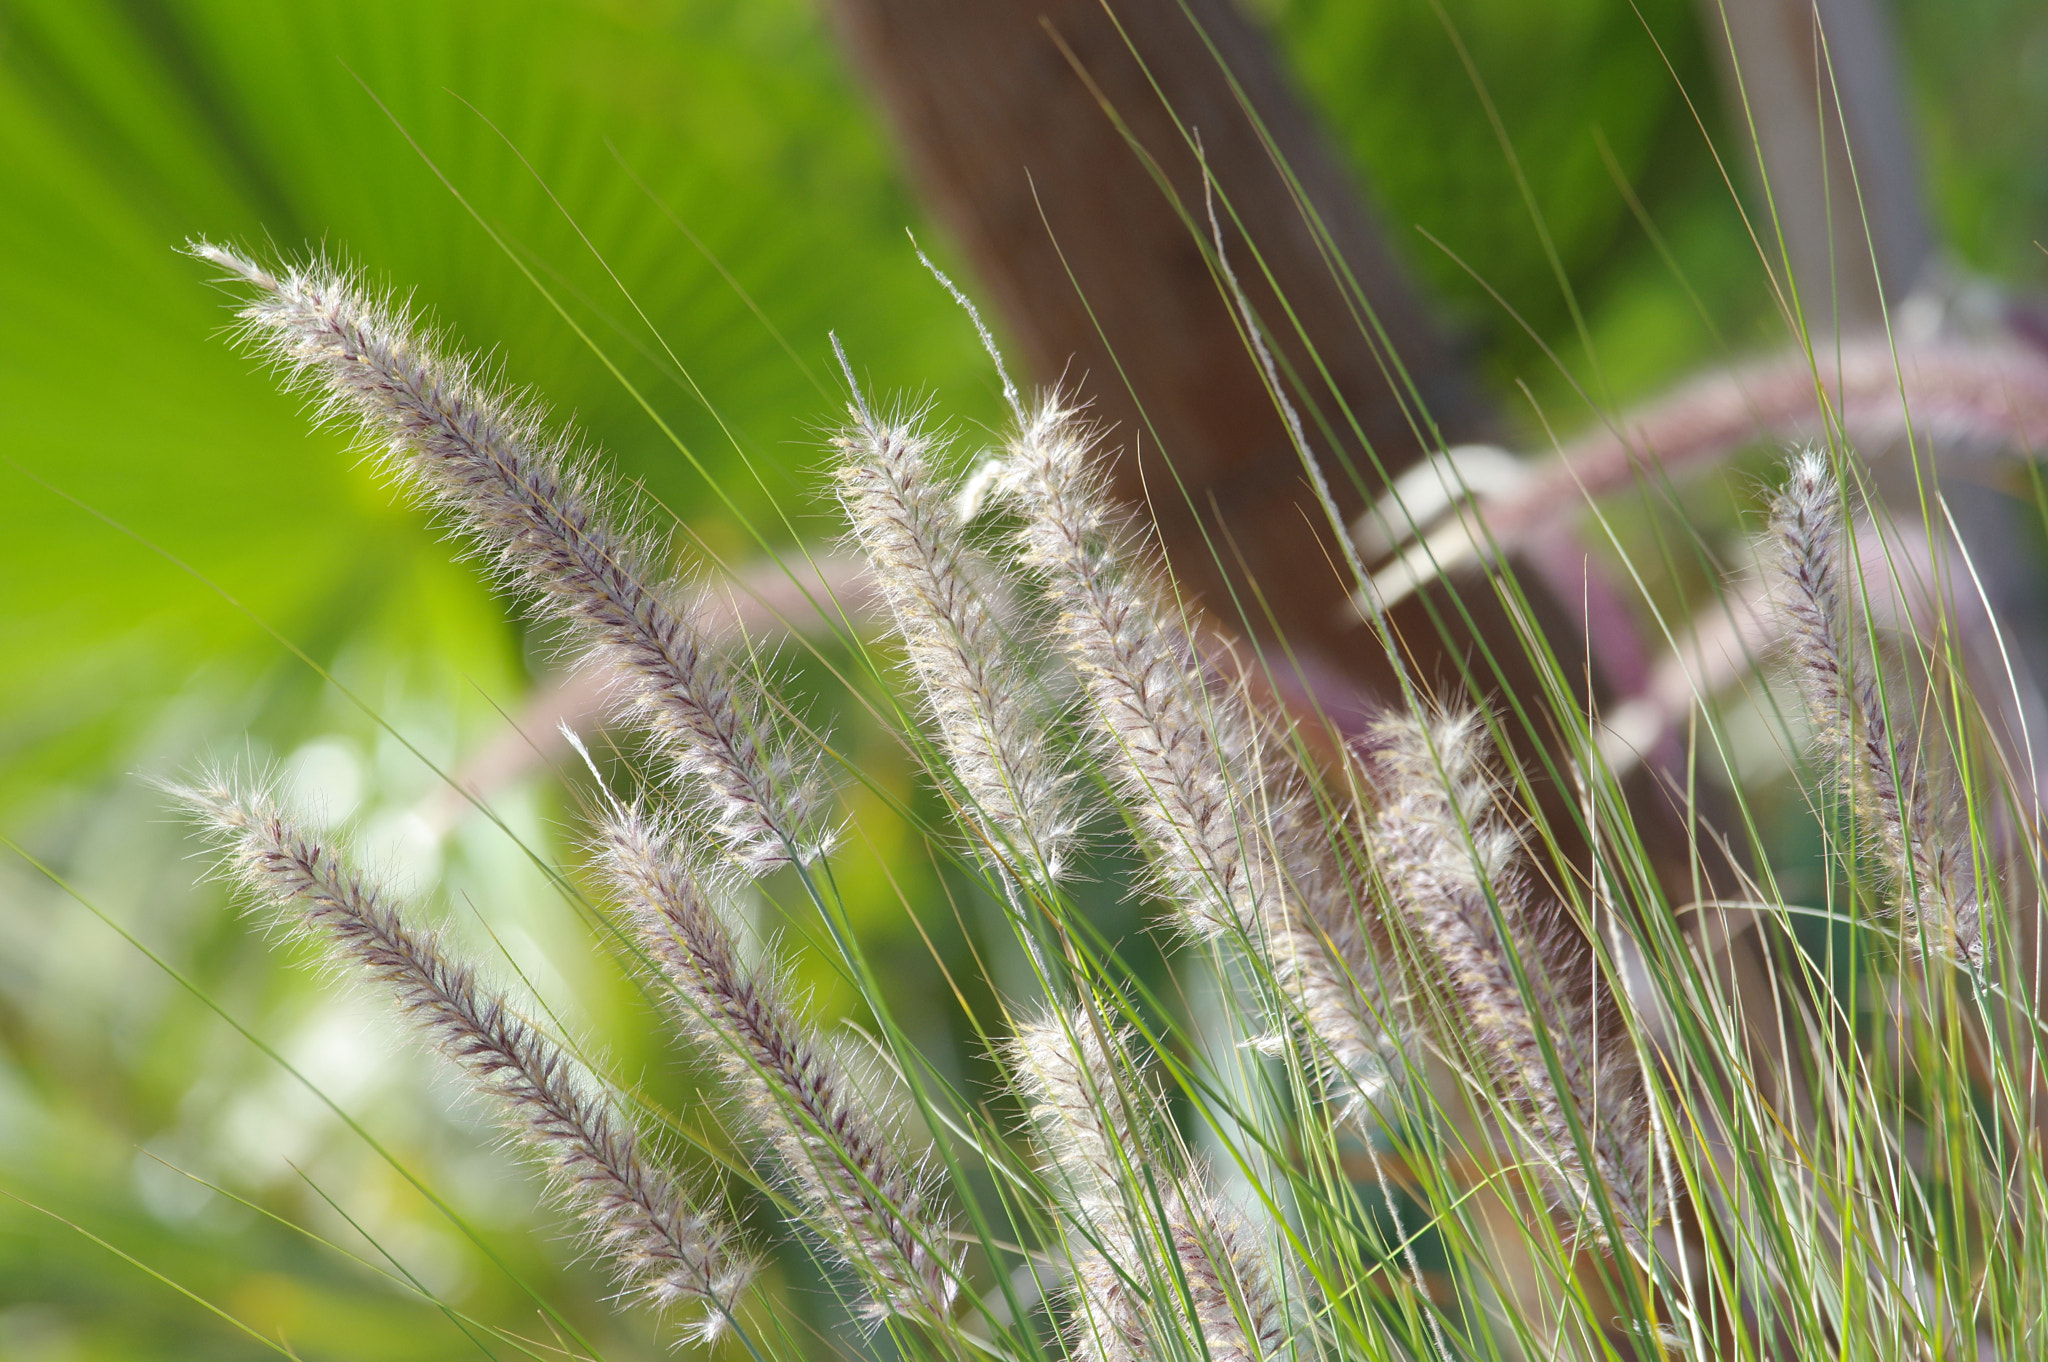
<point>1087,1108</point>
<point>980,687</point>
<point>1237,843</point>
<point>1130,1200</point>
<point>1173,750</point>
<point>1528,988</point>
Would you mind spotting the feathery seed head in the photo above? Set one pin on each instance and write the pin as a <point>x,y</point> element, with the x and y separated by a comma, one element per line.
<point>1238,845</point>
<point>1230,1282</point>
<point>1102,1124</point>
<point>1434,768</point>
<point>1172,746</point>
<point>667,1252</point>
<point>1910,813</point>
<point>527,499</point>
<point>1528,987</point>
<point>860,1195</point>
<point>1088,1110</point>
<point>978,684</point>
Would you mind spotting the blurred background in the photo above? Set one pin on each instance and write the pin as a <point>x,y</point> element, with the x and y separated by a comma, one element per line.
<point>188,574</point>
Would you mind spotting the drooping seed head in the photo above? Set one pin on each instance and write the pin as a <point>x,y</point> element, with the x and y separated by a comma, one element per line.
<point>527,498</point>
<point>667,1252</point>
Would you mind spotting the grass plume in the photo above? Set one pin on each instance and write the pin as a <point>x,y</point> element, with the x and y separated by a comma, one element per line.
<point>1233,835</point>
<point>667,1252</point>
<point>1450,864</point>
<point>859,1193</point>
<point>979,691</point>
<point>1909,812</point>
<point>527,497</point>
<point>1099,1122</point>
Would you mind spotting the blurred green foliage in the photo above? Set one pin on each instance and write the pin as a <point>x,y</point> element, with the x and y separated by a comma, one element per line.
<point>168,523</point>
